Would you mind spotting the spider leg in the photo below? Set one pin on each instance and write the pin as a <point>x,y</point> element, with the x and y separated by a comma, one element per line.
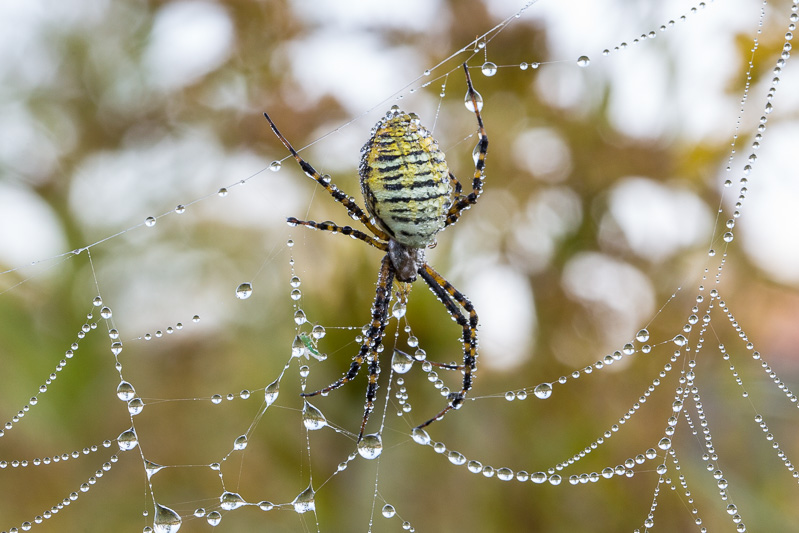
<point>345,230</point>
<point>462,202</point>
<point>368,351</point>
<point>448,296</point>
<point>347,201</point>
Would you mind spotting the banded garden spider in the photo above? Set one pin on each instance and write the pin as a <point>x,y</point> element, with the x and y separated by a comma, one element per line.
<point>410,196</point>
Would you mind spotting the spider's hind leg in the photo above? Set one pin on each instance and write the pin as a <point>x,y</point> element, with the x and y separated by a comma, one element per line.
<point>448,296</point>
<point>368,351</point>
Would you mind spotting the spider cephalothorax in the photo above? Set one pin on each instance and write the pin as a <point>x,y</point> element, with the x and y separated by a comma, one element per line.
<point>411,195</point>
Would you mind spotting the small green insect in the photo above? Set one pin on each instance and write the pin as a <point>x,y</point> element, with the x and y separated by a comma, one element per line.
<point>410,196</point>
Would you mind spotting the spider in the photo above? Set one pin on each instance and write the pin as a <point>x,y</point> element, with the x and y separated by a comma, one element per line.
<point>410,196</point>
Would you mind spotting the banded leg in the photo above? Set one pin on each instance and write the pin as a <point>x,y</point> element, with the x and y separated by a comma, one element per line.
<point>461,202</point>
<point>344,230</point>
<point>347,201</point>
<point>449,295</point>
<point>374,336</point>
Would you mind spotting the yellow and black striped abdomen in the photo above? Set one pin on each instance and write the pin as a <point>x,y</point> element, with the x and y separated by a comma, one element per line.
<point>405,179</point>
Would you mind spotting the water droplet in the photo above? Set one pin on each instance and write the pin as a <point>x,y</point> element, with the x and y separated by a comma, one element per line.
<point>304,501</point>
<point>222,192</point>
<point>152,468</point>
<point>456,458</point>
<point>642,335</point>
<point>401,362</point>
<point>489,69</point>
<point>728,236</point>
<point>389,511</point>
<point>680,340</point>
<point>231,500</point>
<point>149,222</point>
<point>274,166</point>
<point>371,446</point>
<point>244,291</point>
<point>420,436</point>
<point>664,443</point>
<point>135,406</point>
<point>240,443</point>
<point>505,474</point>
<point>97,302</point>
<point>105,312</point>
<point>180,209</point>
<point>470,103</point>
<point>213,518</point>
<point>266,506</point>
<point>127,440</point>
<point>295,282</point>
<point>398,310</point>
<point>125,391</point>
<point>583,61</point>
<point>166,520</point>
<point>271,392</point>
<point>313,417</point>
<point>543,391</point>
<point>299,317</point>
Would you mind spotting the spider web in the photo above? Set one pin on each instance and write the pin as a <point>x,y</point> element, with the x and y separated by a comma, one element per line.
<point>636,326</point>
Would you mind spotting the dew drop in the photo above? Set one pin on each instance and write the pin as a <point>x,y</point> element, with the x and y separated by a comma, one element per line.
<point>231,500</point>
<point>728,236</point>
<point>222,192</point>
<point>97,302</point>
<point>478,99</point>
<point>149,222</point>
<point>152,468</point>
<point>274,166</point>
<point>125,391</point>
<point>127,440</point>
<point>389,511</point>
<point>664,443</point>
<point>135,406</point>
<point>583,61</point>
<point>244,291</point>
<point>105,312</point>
<point>642,335</point>
<point>266,506</point>
<point>680,340</point>
<point>543,391</point>
<point>304,501</point>
<point>299,317</point>
<point>420,436</point>
<point>180,209</point>
<point>166,520</point>
<point>213,518</point>
<point>398,310</point>
<point>489,69</point>
<point>271,392</point>
<point>371,446</point>
<point>240,443</point>
<point>313,417</point>
<point>401,362</point>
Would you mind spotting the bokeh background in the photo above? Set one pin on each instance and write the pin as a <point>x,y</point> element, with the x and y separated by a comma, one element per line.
<point>604,192</point>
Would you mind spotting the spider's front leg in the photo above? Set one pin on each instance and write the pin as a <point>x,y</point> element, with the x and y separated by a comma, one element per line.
<point>368,351</point>
<point>448,295</point>
<point>461,201</point>
<point>347,201</point>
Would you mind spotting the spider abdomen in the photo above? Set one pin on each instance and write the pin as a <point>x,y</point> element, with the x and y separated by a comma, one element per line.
<point>405,180</point>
